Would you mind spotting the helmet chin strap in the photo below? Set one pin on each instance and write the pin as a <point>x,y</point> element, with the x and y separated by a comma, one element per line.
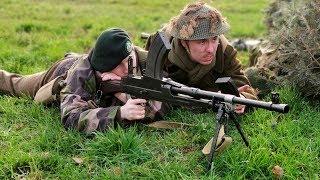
<point>185,45</point>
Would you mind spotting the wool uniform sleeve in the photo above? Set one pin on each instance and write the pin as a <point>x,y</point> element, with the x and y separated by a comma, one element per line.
<point>78,109</point>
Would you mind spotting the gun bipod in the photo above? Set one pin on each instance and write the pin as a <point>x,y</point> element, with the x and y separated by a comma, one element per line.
<point>223,115</point>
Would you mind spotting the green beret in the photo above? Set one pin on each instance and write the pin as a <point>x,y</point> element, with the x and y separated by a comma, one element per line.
<point>112,46</point>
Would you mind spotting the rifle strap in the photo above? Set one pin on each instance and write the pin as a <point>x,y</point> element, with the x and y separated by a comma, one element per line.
<point>141,59</point>
<point>168,125</point>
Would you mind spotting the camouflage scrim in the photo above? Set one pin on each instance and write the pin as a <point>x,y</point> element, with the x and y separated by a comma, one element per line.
<point>77,107</point>
<point>197,21</point>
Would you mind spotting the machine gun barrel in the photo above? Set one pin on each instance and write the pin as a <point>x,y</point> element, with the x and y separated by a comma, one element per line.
<point>168,91</point>
<point>195,92</point>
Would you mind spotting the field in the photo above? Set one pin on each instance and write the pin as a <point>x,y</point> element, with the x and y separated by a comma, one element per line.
<point>33,144</point>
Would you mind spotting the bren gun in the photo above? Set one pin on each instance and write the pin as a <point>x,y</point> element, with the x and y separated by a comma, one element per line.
<point>152,86</point>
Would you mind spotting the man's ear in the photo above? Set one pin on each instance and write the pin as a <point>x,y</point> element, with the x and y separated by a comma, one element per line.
<point>185,44</point>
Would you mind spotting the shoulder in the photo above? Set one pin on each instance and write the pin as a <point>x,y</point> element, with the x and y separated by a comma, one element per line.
<point>141,53</point>
<point>81,77</point>
<point>81,67</point>
<point>78,59</point>
<point>227,48</point>
<point>223,42</point>
<point>226,55</point>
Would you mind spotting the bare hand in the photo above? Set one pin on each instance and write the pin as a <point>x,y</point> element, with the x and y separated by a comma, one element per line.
<point>133,110</point>
<point>106,76</point>
<point>244,88</point>
<point>239,108</point>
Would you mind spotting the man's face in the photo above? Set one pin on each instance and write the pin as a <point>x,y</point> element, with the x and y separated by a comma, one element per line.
<point>202,51</point>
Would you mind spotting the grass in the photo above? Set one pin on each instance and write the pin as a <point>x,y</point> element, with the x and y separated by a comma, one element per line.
<point>38,33</point>
<point>34,145</point>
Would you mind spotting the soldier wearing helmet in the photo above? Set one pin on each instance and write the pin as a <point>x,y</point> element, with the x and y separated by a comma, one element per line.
<point>200,54</point>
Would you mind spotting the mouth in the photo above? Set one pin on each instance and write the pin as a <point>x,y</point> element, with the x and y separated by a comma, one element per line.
<point>208,58</point>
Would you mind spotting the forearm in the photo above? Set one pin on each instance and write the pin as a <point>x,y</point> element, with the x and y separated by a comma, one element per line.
<point>80,115</point>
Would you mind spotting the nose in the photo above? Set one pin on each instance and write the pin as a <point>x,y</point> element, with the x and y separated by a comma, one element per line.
<point>210,46</point>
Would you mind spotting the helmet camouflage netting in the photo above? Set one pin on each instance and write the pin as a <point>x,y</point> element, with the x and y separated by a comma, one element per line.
<point>197,21</point>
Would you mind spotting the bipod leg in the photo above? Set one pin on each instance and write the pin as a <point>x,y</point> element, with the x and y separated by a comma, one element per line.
<point>237,124</point>
<point>219,118</point>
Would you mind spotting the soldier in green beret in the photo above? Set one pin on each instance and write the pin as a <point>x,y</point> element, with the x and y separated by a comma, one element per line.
<point>74,82</point>
<point>200,53</point>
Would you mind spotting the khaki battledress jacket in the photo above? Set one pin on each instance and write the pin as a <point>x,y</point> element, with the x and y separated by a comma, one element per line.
<point>182,69</point>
